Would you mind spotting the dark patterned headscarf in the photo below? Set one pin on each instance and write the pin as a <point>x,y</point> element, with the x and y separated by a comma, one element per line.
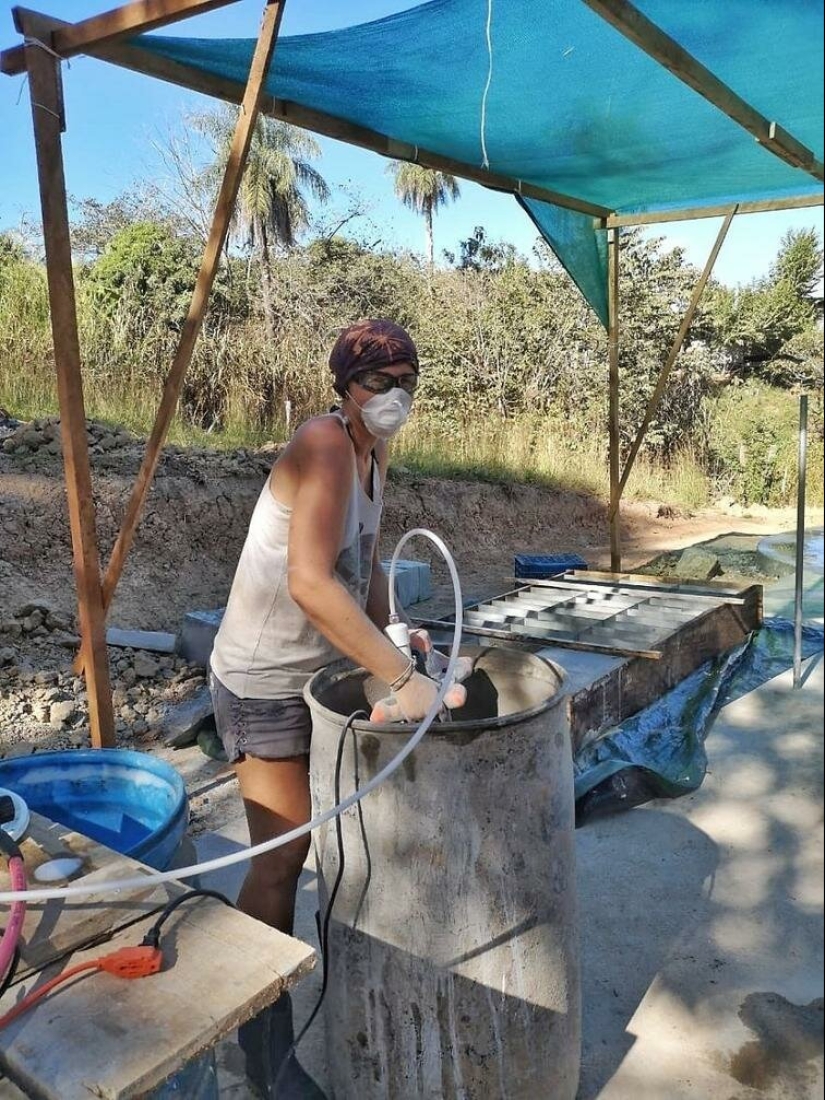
<point>367,345</point>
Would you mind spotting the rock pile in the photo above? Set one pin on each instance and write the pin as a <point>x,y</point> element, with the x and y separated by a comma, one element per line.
<point>44,705</point>
<point>45,434</point>
<point>38,443</point>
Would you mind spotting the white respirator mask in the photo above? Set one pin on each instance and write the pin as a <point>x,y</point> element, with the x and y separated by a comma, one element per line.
<point>385,413</point>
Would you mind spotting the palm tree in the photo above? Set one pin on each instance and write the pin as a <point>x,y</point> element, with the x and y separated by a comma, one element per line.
<point>423,190</point>
<point>272,207</point>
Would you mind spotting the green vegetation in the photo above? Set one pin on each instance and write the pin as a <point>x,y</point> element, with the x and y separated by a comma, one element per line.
<point>514,386</point>
<point>424,191</point>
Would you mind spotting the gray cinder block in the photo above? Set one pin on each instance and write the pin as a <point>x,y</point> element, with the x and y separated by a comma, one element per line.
<point>197,635</point>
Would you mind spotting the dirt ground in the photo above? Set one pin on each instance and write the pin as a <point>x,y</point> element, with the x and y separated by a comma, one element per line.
<point>188,543</point>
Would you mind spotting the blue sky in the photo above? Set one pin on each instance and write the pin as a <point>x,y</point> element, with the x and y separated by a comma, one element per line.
<point>113,115</point>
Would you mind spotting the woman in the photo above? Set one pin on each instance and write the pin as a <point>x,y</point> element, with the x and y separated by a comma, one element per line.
<point>309,587</point>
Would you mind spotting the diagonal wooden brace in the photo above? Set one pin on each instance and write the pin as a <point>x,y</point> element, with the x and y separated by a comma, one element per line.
<point>247,118</point>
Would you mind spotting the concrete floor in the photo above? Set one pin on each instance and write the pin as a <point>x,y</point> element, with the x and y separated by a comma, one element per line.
<point>701,917</point>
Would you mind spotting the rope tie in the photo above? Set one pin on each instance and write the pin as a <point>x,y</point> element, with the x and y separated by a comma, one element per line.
<point>48,111</point>
<point>28,41</point>
<point>485,161</point>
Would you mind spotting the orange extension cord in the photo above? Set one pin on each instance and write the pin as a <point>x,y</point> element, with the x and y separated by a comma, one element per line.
<point>128,962</point>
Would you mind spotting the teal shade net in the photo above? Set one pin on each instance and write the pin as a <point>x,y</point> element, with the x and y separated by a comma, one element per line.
<point>547,92</point>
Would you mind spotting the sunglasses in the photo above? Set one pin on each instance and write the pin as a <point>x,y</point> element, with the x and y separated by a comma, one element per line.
<point>376,381</point>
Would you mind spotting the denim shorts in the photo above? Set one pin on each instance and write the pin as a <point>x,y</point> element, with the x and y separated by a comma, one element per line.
<point>270,729</point>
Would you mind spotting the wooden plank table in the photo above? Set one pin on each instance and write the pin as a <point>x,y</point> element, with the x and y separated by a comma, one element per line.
<point>102,1036</point>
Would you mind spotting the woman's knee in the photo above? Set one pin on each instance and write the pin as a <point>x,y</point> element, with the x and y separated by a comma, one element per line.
<point>283,865</point>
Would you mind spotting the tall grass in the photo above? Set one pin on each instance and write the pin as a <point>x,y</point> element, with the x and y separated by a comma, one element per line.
<point>236,387</point>
<point>549,452</point>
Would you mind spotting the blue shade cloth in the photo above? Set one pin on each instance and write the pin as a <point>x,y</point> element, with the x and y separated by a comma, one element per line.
<point>580,247</point>
<point>561,100</point>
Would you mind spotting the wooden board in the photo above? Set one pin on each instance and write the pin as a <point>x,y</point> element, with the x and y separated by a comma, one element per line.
<point>52,928</point>
<point>102,1036</point>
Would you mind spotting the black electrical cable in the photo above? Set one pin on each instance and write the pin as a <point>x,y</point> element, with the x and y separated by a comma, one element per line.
<point>152,937</point>
<point>324,929</point>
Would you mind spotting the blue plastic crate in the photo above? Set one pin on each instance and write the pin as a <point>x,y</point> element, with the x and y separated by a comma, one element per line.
<point>539,567</point>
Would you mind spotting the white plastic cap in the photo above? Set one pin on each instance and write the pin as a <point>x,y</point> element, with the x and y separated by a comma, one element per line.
<point>399,633</point>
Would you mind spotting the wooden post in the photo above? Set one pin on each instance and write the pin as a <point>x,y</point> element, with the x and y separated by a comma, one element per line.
<point>613,395</point>
<point>47,114</point>
<point>206,276</point>
<point>656,396</point>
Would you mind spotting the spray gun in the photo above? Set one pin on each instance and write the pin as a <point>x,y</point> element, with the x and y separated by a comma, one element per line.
<point>398,632</point>
<point>427,660</point>
<point>434,663</point>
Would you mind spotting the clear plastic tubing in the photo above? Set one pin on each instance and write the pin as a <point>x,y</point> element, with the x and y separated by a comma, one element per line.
<point>139,882</point>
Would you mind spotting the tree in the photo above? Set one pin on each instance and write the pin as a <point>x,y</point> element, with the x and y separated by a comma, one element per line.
<point>757,321</point>
<point>479,253</point>
<point>96,223</point>
<point>424,191</point>
<point>272,208</point>
<point>146,267</point>
<point>655,289</point>
<point>799,262</point>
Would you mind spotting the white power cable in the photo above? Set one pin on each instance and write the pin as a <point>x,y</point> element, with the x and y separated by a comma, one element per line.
<point>139,882</point>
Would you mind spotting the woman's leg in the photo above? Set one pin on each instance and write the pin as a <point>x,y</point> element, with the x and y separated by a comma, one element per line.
<point>277,799</point>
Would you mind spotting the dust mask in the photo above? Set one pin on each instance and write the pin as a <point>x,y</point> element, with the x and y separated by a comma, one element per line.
<point>384,413</point>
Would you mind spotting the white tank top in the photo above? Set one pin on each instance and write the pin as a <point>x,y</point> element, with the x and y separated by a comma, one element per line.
<point>266,647</point>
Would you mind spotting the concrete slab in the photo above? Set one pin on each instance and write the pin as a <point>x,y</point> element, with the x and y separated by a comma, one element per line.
<point>702,919</point>
<point>581,668</point>
<point>158,641</point>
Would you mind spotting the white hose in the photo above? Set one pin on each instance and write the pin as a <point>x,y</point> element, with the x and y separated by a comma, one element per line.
<point>139,882</point>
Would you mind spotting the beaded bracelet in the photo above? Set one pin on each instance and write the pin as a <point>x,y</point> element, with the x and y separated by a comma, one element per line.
<point>406,675</point>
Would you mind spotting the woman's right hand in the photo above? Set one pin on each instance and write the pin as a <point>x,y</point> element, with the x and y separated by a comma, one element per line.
<point>412,701</point>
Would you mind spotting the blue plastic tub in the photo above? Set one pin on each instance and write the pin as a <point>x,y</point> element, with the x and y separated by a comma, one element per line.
<point>543,566</point>
<point>129,801</point>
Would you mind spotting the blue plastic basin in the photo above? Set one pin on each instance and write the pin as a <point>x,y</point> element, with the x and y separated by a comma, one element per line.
<point>129,801</point>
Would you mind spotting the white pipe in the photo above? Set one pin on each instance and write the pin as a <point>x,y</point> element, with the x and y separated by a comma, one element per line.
<point>139,882</point>
<point>800,542</point>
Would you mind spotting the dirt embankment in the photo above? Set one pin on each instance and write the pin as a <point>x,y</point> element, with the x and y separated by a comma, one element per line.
<point>188,543</point>
<point>196,515</point>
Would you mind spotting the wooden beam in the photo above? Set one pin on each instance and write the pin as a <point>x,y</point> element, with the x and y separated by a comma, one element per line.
<point>630,22</point>
<point>692,213</point>
<point>656,396</point>
<point>613,411</point>
<point>241,141</point>
<point>123,22</point>
<point>47,116</point>
<point>143,61</point>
